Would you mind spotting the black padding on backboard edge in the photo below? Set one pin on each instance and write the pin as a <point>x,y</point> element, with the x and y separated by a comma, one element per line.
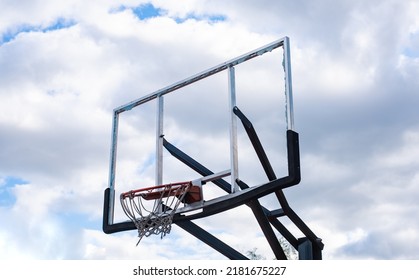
<point>107,228</point>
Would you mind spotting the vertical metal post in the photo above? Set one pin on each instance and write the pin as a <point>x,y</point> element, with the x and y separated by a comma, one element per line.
<point>233,130</point>
<point>289,107</point>
<point>112,165</point>
<point>159,141</point>
<point>305,249</point>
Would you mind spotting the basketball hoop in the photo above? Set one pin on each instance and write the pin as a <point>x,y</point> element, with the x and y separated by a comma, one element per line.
<point>156,217</point>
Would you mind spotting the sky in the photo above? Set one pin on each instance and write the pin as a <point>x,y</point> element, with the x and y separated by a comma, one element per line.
<point>65,66</point>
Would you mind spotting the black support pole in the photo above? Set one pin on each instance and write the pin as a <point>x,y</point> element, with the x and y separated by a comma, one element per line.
<point>257,145</point>
<point>211,240</point>
<point>293,171</point>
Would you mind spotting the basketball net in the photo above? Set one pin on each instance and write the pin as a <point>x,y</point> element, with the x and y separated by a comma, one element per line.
<point>156,218</point>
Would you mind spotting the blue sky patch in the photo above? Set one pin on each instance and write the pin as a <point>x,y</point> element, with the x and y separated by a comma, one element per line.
<point>60,23</point>
<point>146,11</point>
<point>142,12</point>
<point>209,18</point>
<point>7,198</point>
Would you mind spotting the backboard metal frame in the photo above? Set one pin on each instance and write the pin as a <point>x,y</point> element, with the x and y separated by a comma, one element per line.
<point>238,192</point>
<point>228,65</point>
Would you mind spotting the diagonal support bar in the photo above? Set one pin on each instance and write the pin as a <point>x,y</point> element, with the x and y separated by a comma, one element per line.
<point>211,240</point>
<point>257,145</point>
<point>284,232</point>
<point>194,165</point>
<point>293,153</point>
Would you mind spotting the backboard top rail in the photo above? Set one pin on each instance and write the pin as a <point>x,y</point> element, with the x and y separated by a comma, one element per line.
<point>211,71</point>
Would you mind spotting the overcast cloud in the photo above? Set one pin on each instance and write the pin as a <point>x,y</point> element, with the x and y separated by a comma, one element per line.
<point>65,66</point>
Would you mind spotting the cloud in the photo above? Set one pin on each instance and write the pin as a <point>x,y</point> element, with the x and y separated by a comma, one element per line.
<point>65,67</point>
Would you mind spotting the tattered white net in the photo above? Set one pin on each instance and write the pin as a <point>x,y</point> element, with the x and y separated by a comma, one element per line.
<point>157,217</point>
